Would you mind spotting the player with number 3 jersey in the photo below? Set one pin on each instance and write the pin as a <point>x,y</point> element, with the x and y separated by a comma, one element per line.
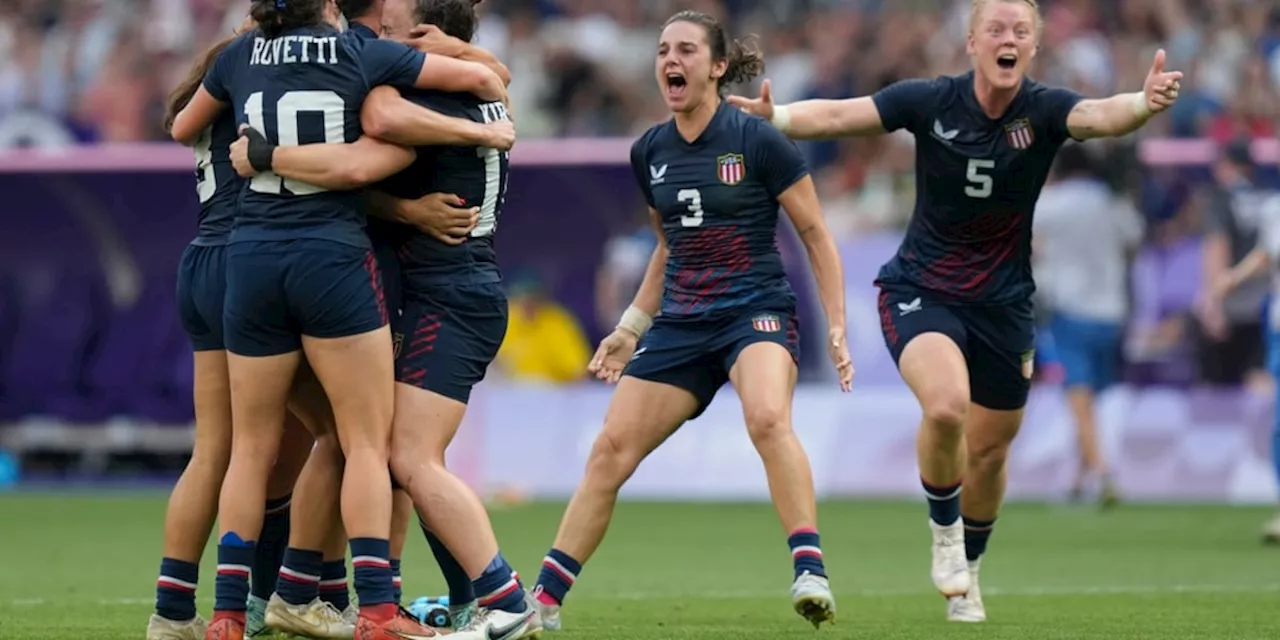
<point>301,277</point>
<point>713,178</point>
<point>955,303</point>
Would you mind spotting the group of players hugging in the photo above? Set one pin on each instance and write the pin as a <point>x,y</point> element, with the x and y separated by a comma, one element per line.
<point>343,297</point>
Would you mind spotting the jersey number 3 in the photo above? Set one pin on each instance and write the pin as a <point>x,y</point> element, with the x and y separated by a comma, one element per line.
<point>694,199</point>
<point>980,182</point>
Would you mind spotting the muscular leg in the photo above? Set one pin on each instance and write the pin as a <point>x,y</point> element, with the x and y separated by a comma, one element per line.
<point>193,505</point>
<point>357,375</point>
<point>765,377</point>
<point>641,415</point>
<point>295,449</point>
<point>259,392</point>
<point>934,368</point>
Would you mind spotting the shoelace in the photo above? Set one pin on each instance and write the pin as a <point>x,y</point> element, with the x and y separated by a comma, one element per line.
<point>328,612</point>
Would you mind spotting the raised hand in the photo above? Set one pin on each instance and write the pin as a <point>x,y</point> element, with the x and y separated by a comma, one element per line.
<point>762,106</point>
<point>1161,87</point>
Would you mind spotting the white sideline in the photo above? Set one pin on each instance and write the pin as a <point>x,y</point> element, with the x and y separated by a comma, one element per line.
<point>735,595</point>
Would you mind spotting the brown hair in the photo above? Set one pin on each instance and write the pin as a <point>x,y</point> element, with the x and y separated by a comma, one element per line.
<point>746,62</point>
<point>277,16</point>
<point>182,94</point>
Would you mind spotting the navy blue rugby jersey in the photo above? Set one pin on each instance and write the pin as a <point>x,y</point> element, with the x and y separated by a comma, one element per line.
<point>977,182</point>
<point>478,175</point>
<point>718,197</point>
<point>217,182</point>
<point>305,86</point>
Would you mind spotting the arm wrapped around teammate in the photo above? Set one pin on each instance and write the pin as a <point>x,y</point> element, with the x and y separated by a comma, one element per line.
<point>388,116</point>
<point>431,39</point>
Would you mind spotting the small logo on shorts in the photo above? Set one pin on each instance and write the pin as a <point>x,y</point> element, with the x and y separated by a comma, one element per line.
<point>907,308</point>
<point>637,353</point>
<point>1028,363</point>
<point>766,323</point>
<point>397,341</point>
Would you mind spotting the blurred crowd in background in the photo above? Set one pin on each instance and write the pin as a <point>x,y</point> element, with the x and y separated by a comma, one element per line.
<point>97,71</point>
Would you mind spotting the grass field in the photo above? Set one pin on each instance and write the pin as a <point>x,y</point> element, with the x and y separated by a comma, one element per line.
<point>83,567</point>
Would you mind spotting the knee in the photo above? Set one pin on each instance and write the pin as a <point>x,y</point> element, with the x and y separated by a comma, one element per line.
<point>611,462</point>
<point>767,424</point>
<point>946,413</point>
<point>988,458</point>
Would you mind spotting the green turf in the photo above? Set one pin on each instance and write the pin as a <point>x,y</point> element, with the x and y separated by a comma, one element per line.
<point>83,567</point>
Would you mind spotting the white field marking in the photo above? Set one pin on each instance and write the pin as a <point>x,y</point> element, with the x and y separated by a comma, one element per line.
<point>739,595</point>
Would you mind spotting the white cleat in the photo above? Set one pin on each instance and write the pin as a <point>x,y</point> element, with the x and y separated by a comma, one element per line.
<point>496,624</point>
<point>950,569</point>
<point>351,614</point>
<point>316,619</point>
<point>1271,531</point>
<point>159,628</point>
<point>968,607</point>
<point>812,598</point>
<point>548,614</point>
<point>535,623</point>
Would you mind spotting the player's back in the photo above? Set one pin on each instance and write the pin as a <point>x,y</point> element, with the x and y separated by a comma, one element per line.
<point>977,182</point>
<point>718,198</point>
<point>217,183</point>
<point>304,86</point>
<point>477,175</point>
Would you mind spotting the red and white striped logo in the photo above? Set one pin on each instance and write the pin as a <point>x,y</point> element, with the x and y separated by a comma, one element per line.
<point>731,168</point>
<point>766,323</point>
<point>1020,134</point>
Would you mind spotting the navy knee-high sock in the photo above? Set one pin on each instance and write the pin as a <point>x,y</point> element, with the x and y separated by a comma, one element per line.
<point>268,555</point>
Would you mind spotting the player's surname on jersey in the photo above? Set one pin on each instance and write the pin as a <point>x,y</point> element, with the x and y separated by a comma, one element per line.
<point>294,49</point>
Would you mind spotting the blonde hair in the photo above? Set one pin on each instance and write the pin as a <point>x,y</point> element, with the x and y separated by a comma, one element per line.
<point>979,5</point>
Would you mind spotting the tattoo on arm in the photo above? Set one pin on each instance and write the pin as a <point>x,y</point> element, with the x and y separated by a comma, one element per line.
<point>1086,119</point>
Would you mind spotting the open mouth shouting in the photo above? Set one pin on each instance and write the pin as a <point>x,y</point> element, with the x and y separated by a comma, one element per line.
<point>1007,61</point>
<point>676,84</point>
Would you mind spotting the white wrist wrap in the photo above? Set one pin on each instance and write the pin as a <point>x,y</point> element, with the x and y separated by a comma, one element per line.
<point>1140,107</point>
<point>781,118</point>
<point>635,321</point>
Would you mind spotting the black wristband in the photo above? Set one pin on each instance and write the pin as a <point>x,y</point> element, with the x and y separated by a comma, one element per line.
<point>260,150</point>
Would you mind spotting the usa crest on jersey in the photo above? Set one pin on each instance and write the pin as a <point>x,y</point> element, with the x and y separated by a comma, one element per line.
<point>766,323</point>
<point>1020,134</point>
<point>731,168</point>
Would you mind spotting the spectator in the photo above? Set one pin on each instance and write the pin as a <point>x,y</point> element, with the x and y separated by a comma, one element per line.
<point>544,342</point>
<point>1231,331</point>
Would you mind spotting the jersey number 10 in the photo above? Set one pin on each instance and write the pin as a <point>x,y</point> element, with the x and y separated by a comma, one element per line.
<point>328,104</point>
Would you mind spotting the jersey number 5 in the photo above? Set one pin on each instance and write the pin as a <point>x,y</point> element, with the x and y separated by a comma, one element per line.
<point>694,198</point>
<point>331,107</point>
<point>979,183</point>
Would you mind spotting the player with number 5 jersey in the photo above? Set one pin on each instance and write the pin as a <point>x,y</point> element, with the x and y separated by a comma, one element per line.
<point>955,302</point>
<point>713,178</point>
<point>301,277</point>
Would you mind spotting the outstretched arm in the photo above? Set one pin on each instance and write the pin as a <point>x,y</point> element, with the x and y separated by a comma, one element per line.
<point>815,119</point>
<point>390,117</point>
<point>1125,113</point>
<point>340,167</point>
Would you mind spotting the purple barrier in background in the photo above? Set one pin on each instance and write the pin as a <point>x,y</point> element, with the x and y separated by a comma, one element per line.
<point>1162,445</point>
<point>90,241</point>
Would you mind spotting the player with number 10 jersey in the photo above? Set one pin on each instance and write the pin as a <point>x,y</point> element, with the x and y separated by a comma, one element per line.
<point>301,276</point>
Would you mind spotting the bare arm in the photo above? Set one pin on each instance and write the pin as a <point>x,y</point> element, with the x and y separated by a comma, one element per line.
<point>815,119</point>
<point>1125,113</point>
<point>460,76</point>
<point>197,116</point>
<point>390,117</point>
<point>800,202</point>
<point>1252,266</point>
<point>341,167</point>
<point>430,39</point>
<point>1216,258</point>
<point>649,297</point>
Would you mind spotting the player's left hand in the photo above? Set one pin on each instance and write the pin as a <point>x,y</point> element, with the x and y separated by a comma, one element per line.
<point>428,38</point>
<point>249,145</point>
<point>838,349</point>
<point>1161,87</point>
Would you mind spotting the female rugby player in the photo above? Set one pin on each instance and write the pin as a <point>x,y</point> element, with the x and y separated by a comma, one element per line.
<point>713,177</point>
<point>301,277</point>
<point>955,303</point>
<point>193,504</point>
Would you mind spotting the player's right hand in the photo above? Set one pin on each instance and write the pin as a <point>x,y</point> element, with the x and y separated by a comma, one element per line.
<point>612,355</point>
<point>445,217</point>
<point>762,106</point>
<point>500,135</point>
